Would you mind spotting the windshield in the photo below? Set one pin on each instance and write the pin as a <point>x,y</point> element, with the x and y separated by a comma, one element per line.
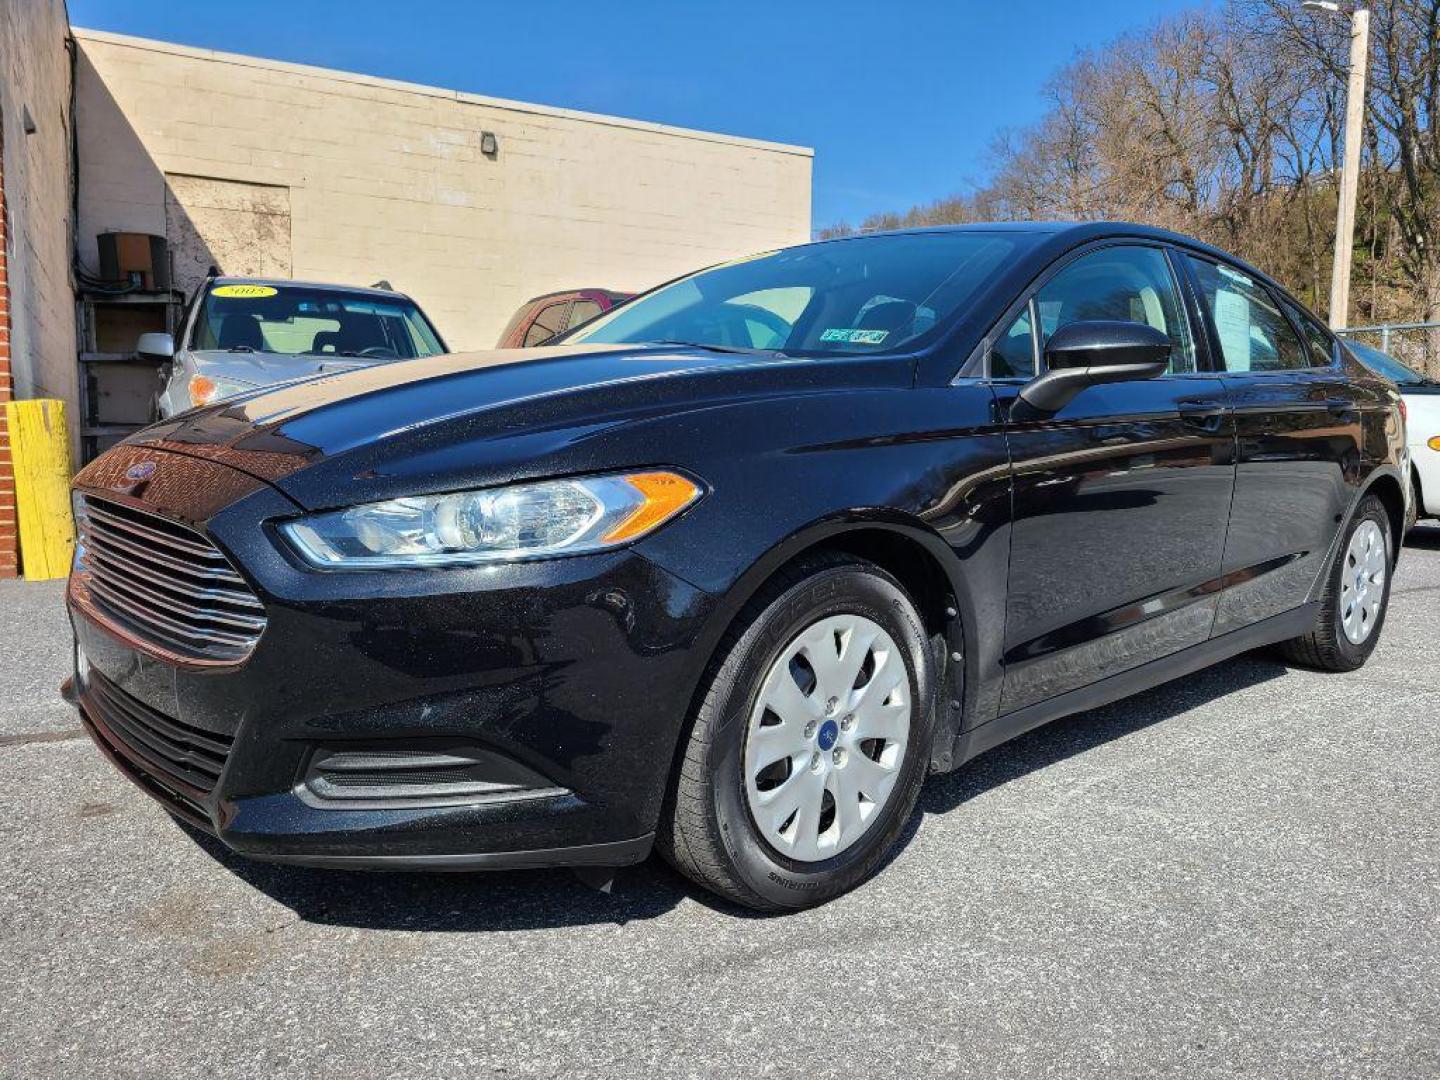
<point>861,295</point>
<point>1385,364</point>
<point>304,320</point>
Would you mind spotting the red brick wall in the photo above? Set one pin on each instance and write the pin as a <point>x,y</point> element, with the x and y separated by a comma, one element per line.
<point>9,543</point>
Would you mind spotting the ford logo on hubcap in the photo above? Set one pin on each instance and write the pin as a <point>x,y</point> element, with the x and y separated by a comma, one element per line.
<point>829,733</point>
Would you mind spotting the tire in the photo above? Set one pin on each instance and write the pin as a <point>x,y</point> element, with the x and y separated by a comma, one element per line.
<point>710,831</point>
<point>1328,647</point>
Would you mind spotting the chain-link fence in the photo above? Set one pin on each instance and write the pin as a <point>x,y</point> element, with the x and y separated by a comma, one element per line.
<point>1416,345</point>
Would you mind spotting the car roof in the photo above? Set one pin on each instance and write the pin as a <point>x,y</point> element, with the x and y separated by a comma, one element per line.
<point>329,286</point>
<point>614,294</point>
<point>1062,235</point>
<point>1074,231</point>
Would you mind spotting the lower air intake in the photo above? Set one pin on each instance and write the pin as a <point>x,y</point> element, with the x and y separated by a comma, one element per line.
<point>375,777</point>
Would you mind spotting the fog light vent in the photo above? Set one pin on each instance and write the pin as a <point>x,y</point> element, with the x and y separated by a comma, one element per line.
<point>379,777</point>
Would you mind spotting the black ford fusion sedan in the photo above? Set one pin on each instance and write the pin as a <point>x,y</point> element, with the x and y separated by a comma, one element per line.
<point>731,568</point>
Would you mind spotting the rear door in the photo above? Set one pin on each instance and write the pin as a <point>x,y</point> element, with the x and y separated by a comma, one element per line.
<point>1120,499</point>
<point>1297,424</point>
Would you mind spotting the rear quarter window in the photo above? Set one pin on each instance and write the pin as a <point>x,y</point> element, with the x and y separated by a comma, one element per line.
<point>1318,342</point>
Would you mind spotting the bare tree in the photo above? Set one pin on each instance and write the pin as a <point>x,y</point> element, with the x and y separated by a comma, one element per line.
<point>1226,124</point>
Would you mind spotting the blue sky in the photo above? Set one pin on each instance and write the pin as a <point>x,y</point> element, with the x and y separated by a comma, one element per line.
<point>901,100</point>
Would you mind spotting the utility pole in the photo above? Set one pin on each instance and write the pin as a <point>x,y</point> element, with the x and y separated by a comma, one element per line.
<point>1350,166</point>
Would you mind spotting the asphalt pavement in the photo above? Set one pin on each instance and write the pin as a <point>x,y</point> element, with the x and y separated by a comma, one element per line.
<point>1237,874</point>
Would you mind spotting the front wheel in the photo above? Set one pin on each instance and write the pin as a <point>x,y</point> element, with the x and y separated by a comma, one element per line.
<point>1356,594</point>
<point>806,755</point>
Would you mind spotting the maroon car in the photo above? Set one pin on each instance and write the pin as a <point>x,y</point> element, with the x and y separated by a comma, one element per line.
<point>540,319</point>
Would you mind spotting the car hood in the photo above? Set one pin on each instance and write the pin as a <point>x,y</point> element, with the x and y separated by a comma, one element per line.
<point>266,369</point>
<point>515,405</point>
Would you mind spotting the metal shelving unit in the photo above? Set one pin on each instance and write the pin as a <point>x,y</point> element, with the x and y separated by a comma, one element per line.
<point>117,386</point>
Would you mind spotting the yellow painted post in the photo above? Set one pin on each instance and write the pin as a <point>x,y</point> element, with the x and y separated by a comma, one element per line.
<point>40,451</point>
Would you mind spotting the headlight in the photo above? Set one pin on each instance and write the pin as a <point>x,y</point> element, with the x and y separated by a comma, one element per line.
<point>205,389</point>
<point>1434,442</point>
<point>523,521</point>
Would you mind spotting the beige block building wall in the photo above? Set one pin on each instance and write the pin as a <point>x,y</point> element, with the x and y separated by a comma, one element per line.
<point>276,168</point>
<point>37,320</point>
<point>35,84</point>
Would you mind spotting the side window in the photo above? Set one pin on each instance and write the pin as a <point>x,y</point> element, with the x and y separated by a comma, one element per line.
<point>1012,354</point>
<point>547,324</point>
<point>1254,334</point>
<point>582,311</point>
<point>1124,284</point>
<point>1317,338</point>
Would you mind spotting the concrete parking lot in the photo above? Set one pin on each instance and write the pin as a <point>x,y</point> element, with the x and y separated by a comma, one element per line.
<point>1235,874</point>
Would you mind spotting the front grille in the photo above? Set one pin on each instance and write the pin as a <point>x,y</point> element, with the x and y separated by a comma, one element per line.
<point>184,762</point>
<point>166,584</point>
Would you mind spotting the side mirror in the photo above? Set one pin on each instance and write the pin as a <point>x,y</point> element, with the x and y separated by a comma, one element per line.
<point>1085,354</point>
<point>156,346</point>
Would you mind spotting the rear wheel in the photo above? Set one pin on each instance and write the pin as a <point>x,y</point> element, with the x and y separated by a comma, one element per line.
<point>808,750</point>
<point>1356,594</point>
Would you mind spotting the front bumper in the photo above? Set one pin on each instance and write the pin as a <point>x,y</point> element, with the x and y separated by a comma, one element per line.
<point>571,676</point>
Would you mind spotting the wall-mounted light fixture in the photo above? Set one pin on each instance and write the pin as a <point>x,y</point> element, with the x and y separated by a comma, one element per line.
<point>489,145</point>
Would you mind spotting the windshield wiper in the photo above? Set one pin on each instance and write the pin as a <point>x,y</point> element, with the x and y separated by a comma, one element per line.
<point>241,348</point>
<point>717,348</point>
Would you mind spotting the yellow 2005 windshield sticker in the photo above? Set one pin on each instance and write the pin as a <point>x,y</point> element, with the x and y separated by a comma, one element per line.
<point>247,292</point>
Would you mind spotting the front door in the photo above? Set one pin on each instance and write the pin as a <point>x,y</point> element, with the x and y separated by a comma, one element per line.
<point>1121,499</point>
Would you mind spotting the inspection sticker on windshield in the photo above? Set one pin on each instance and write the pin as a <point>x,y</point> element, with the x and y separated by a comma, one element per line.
<point>248,292</point>
<point>856,337</point>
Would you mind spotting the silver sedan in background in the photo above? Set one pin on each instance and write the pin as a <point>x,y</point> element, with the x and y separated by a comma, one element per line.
<point>243,333</point>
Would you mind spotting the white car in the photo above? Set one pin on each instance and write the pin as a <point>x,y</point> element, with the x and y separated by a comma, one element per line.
<point>244,333</point>
<point>1422,408</point>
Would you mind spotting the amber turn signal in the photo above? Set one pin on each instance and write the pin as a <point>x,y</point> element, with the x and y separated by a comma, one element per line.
<point>665,494</point>
<point>202,389</point>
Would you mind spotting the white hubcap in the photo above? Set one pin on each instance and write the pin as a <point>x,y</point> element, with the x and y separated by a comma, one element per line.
<point>827,737</point>
<point>1362,582</point>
